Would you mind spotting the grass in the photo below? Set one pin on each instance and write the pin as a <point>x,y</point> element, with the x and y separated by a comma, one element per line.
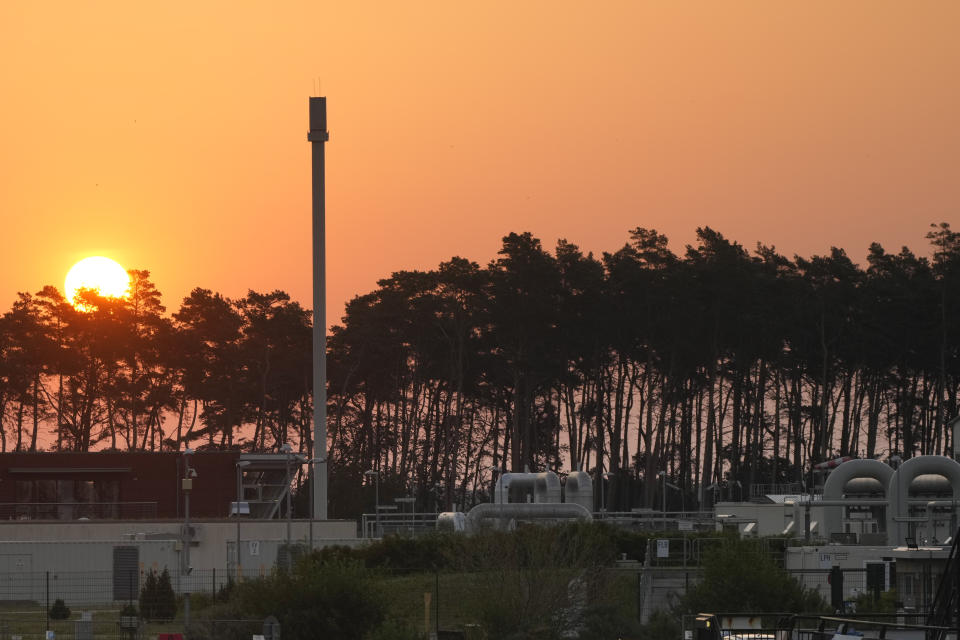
<point>461,600</point>
<point>29,620</point>
<point>462,595</point>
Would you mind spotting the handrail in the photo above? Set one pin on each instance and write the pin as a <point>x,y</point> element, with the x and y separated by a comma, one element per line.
<point>77,510</point>
<point>948,590</point>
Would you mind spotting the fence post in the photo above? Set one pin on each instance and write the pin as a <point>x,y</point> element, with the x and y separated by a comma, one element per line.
<point>48,601</point>
<point>640,596</point>
<point>214,592</point>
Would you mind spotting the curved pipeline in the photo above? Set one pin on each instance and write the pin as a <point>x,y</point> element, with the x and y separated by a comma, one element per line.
<point>838,479</point>
<point>578,489</point>
<point>544,486</point>
<point>524,511</point>
<point>899,490</point>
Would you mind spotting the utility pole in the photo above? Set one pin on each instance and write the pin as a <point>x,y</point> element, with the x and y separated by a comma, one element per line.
<point>185,570</point>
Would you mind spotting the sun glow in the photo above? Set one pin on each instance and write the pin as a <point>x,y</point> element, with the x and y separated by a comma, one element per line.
<point>103,275</point>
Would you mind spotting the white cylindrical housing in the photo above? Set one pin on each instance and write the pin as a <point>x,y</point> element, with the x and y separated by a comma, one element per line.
<point>578,489</point>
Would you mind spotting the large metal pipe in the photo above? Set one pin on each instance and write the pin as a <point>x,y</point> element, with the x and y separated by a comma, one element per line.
<point>544,486</point>
<point>578,489</point>
<point>899,490</point>
<point>318,137</point>
<point>525,511</point>
<point>833,489</point>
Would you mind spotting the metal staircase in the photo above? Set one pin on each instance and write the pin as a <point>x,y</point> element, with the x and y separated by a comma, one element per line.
<point>945,609</point>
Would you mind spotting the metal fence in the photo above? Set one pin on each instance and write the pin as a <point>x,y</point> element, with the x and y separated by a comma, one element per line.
<point>99,588</point>
<point>82,605</point>
<point>374,525</point>
<point>98,626</point>
<point>777,626</point>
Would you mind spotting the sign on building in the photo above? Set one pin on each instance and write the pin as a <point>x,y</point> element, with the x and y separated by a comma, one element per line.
<point>663,548</point>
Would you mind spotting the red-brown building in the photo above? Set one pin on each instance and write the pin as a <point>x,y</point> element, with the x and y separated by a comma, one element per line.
<point>114,485</point>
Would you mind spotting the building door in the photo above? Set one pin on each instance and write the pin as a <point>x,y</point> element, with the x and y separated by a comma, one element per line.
<point>126,573</point>
<point>16,577</point>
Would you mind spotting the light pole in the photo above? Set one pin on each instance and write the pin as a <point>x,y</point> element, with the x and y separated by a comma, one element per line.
<point>677,489</point>
<point>412,501</point>
<point>236,512</point>
<point>714,488</point>
<point>287,450</point>
<point>185,568</point>
<point>311,471</point>
<point>663,498</point>
<point>376,484</point>
<point>494,474</point>
<point>603,500</point>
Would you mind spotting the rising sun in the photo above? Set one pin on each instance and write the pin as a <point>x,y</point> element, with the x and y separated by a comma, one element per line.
<point>103,275</point>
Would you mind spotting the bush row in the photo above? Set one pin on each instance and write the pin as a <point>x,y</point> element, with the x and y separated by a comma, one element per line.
<point>445,551</point>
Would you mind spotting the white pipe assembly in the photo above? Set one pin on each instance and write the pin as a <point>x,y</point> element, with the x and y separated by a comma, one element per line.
<point>525,511</point>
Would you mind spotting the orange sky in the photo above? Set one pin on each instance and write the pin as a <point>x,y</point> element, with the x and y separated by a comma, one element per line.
<point>174,138</point>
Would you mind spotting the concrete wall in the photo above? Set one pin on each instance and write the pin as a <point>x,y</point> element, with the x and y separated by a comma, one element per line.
<point>77,558</point>
<point>771,519</point>
<point>811,565</point>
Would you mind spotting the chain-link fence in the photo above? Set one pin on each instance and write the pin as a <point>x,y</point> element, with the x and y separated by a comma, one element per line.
<point>103,604</point>
<point>854,580</point>
<point>99,588</point>
<point>468,604</point>
<point>144,603</point>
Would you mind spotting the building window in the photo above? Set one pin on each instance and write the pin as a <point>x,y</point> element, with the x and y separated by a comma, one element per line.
<point>67,499</point>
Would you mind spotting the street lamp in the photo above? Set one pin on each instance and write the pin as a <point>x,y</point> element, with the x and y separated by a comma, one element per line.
<point>714,487</point>
<point>683,505</point>
<point>185,568</point>
<point>311,471</point>
<point>494,494</point>
<point>603,501</point>
<point>663,474</point>
<point>287,450</point>
<point>241,465</point>
<point>376,484</point>
<point>412,501</point>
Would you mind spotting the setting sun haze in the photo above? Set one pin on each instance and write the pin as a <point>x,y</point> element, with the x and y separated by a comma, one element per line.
<point>100,274</point>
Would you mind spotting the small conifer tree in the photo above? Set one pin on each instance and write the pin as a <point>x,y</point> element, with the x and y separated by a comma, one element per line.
<point>59,610</point>
<point>148,597</point>
<point>166,599</point>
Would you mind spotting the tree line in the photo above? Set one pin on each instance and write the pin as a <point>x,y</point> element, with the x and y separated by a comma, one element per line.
<point>715,367</point>
<point>120,374</point>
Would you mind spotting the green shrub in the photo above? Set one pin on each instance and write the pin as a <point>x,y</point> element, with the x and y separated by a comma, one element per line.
<point>540,580</point>
<point>330,597</point>
<point>661,626</point>
<point>148,594</point>
<point>59,610</point>
<point>157,599</point>
<point>394,630</point>
<point>741,575</point>
<point>867,603</point>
